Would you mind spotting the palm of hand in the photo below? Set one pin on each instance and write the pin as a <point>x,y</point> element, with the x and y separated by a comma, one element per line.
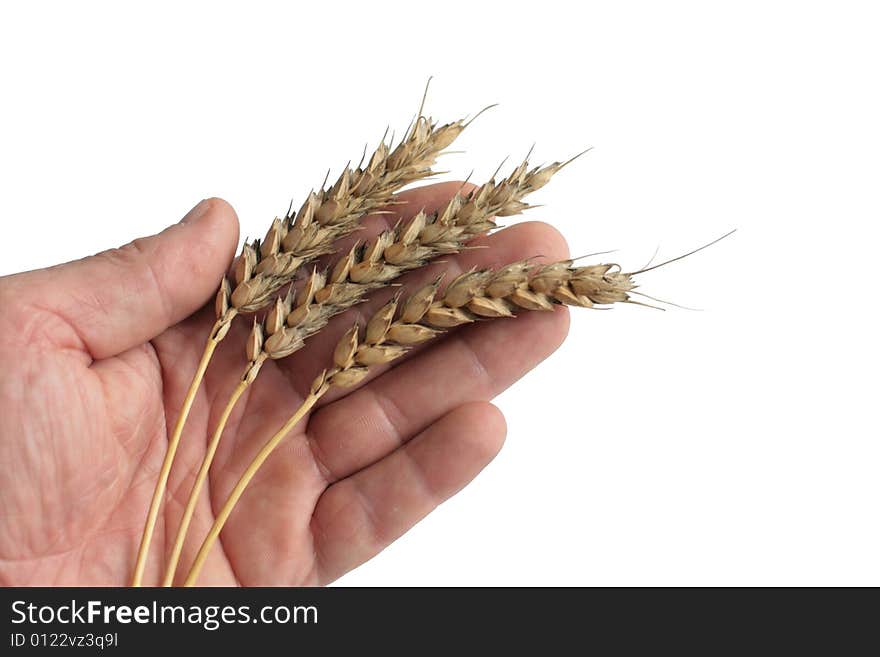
<point>93,381</point>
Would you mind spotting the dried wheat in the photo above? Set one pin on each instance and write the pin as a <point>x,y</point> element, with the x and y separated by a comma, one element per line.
<point>364,268</point>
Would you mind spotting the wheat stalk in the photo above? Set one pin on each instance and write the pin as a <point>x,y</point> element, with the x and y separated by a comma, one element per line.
<point>266,266</point>
<point>473,296</point>
<point>366,267</point>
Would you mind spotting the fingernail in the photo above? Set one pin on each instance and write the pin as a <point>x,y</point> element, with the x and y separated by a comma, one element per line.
<point>196,213</point>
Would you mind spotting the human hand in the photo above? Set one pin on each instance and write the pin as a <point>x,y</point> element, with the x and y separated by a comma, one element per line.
<point>96,356</point>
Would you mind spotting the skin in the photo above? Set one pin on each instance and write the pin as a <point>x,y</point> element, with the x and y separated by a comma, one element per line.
<point>96,356</point>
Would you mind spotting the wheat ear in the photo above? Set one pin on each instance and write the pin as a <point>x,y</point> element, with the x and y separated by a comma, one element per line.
<point>473,296</point>
<point>406,247</point>
<point>375,264</point>
<point>266,266</point>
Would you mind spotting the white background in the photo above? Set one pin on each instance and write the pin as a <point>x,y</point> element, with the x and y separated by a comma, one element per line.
<point>738,445</point>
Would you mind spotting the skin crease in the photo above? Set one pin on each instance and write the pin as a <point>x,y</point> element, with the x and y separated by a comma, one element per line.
<point>96,356</point>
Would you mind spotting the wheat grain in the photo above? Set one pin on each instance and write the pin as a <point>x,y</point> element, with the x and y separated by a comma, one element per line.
<point>473,296</point>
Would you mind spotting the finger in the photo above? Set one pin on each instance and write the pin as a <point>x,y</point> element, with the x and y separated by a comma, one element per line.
<point>117,299</point>
<point>358,517</point>
<point>520,241</point>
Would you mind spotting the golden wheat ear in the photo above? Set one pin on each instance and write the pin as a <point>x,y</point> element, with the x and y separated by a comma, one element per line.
<point>266,266</point>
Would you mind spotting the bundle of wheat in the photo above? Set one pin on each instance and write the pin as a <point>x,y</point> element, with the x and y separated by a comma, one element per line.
<point>265,267</point>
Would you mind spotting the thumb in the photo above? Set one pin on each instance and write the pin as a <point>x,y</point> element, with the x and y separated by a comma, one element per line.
<point>117,299</point>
